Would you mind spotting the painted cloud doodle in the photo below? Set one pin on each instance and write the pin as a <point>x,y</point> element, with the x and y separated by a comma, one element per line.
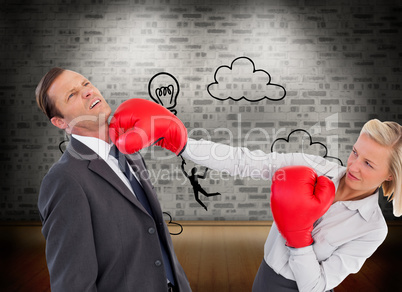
<point>241,80</point>
<point>304,143</point>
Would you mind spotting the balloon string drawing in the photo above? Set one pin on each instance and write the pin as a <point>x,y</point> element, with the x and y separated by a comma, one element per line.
<point>241,80</point>
<point>287,140</point>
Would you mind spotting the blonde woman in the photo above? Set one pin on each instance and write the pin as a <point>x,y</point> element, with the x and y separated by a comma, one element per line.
<point>352,228</point>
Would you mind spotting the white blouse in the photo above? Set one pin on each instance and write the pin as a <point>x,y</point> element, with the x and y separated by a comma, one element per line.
<point>344,237</point>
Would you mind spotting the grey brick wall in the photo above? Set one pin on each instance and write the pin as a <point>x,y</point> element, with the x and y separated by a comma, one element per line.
<point>340,62</point>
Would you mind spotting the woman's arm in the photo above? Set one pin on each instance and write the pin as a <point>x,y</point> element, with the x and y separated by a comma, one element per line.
<point>314,276</point>
<point>240,161</point>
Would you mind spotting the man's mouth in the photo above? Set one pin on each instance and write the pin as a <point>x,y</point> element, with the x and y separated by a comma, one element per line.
<point>94,103</point>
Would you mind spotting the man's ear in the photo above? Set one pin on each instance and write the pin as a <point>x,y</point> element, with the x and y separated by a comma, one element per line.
<point>59,123</point>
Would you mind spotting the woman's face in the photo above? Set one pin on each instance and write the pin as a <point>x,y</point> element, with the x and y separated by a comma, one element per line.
<point>368,165</point>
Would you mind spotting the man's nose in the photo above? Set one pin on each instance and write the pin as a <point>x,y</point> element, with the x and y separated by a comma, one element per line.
<point>87,93</point>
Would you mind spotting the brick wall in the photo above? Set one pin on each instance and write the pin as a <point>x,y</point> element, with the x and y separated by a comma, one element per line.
<point>339,61</point>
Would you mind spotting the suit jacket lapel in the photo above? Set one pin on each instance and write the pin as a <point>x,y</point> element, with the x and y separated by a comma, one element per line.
<point>100,167</point>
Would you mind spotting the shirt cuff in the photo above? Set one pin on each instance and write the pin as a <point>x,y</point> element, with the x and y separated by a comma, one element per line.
<point>300,251</point>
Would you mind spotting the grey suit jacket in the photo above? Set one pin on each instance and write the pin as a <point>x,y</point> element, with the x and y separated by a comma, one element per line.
<point>98,235</point>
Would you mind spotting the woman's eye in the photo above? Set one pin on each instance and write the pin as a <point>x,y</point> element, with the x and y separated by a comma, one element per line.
<point>368,163</point>
<point>71,95</point>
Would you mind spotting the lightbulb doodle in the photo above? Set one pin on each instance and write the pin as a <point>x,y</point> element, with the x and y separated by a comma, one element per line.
<point>241,80</point>
<point>164,89</point>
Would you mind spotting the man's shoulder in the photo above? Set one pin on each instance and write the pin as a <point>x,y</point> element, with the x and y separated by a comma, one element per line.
<point>67,165</point>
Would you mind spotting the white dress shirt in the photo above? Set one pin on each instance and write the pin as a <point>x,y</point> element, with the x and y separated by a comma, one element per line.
<point>344,237</point>
<point>102,148</point>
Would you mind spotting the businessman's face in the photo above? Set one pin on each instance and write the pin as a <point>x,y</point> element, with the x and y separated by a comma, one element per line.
<point>83,107</point>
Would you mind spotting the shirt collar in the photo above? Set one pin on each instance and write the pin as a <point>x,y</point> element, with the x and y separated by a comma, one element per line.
<point>99,146</point>
<point>366,206</point>
<point>337,178</point>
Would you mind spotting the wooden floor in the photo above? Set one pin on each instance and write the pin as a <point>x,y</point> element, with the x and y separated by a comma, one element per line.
<point>216,256</point>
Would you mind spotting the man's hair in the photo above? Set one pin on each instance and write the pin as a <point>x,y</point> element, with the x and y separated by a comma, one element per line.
<point>42,98</point>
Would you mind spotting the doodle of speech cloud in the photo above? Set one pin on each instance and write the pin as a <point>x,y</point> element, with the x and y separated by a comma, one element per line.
<point>297,138</point>
<point>241,80</point>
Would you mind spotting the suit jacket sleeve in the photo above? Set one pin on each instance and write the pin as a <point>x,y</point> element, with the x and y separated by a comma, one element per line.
<point>67,228</point>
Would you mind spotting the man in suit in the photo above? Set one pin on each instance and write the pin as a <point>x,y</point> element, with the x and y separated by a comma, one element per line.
<point>99,237</point>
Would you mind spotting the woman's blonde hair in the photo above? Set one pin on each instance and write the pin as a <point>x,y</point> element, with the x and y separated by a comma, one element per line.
<point>389,134</point>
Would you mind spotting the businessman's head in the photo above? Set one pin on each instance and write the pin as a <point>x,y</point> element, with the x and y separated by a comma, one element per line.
<point>72,103</point>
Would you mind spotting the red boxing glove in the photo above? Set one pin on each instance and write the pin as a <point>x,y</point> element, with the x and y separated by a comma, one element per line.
<point>139,123</point>
<point>298,198</point>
